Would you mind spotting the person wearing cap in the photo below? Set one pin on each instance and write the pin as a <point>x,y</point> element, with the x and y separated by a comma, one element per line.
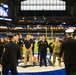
<point>10,56</point>
<point>69,48</point>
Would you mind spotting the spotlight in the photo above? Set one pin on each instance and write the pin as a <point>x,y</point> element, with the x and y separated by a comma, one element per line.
<point>44,18</point>
<point>35,18</point>
<point>23,18</point>
<point>27,26</point>
<point>64,23</point>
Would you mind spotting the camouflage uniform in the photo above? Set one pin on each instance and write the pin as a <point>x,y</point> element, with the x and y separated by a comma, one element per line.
<point>56,50</point>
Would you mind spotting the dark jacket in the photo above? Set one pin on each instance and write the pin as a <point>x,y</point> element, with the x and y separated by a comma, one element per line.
<point>11,54</point>
<point>1,49</point>
<point>69,48</point>
<point>43,46</point>
<point>20,42</point>
<point>50,47</point>
<point>33,42</point>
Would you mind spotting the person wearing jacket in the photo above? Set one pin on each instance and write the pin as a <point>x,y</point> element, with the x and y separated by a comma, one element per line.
<point>69,48</point>
<point>43,50</point>
<point>10,57</point>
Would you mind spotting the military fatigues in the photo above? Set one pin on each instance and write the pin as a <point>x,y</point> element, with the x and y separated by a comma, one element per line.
<point>43,51</point>
<point>56,50</point>
<point>10,58</point>
<point>28,53</point>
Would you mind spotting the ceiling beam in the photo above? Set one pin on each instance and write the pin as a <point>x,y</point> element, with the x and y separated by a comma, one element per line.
<point>4,1</point>
<point>70,2</point>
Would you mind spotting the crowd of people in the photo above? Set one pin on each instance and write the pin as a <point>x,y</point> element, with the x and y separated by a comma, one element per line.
<point>28,44</point>
<point>11,50</point>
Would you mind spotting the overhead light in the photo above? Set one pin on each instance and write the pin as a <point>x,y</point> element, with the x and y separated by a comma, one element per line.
<point>38,33</point>
<point>23,18</point>
<point>38,26</point>
<point>1,3</point>
<point>27,26</point>
<point>69,30</point>
<point>44,18</point>
<point>6,6</point>
<point>35,18</point>
<point>64,23</point>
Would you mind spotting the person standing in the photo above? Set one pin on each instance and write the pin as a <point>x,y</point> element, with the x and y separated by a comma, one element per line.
<point>50,47</point>
<point>38,44</point>
<point>28,49</point>
<point>69,48</point>
<point>33,41</point>
<point>56,49</point>
<point>1,47</point>
<point>43,50</point>
<point>10,56</point>
<point>20,43</point>
<point>61,40</point>
<point>16,38</point>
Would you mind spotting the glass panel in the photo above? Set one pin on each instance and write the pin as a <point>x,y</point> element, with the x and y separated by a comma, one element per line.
<point>43,5</point>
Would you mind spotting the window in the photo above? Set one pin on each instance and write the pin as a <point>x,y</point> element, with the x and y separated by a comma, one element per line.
<point>43,5</point>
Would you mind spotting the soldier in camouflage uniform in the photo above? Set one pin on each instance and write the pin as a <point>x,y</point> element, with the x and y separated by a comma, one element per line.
<point>56,49</point>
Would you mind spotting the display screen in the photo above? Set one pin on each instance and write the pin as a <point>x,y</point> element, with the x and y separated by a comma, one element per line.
<point>43,5</point>
<point>4,10</point>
